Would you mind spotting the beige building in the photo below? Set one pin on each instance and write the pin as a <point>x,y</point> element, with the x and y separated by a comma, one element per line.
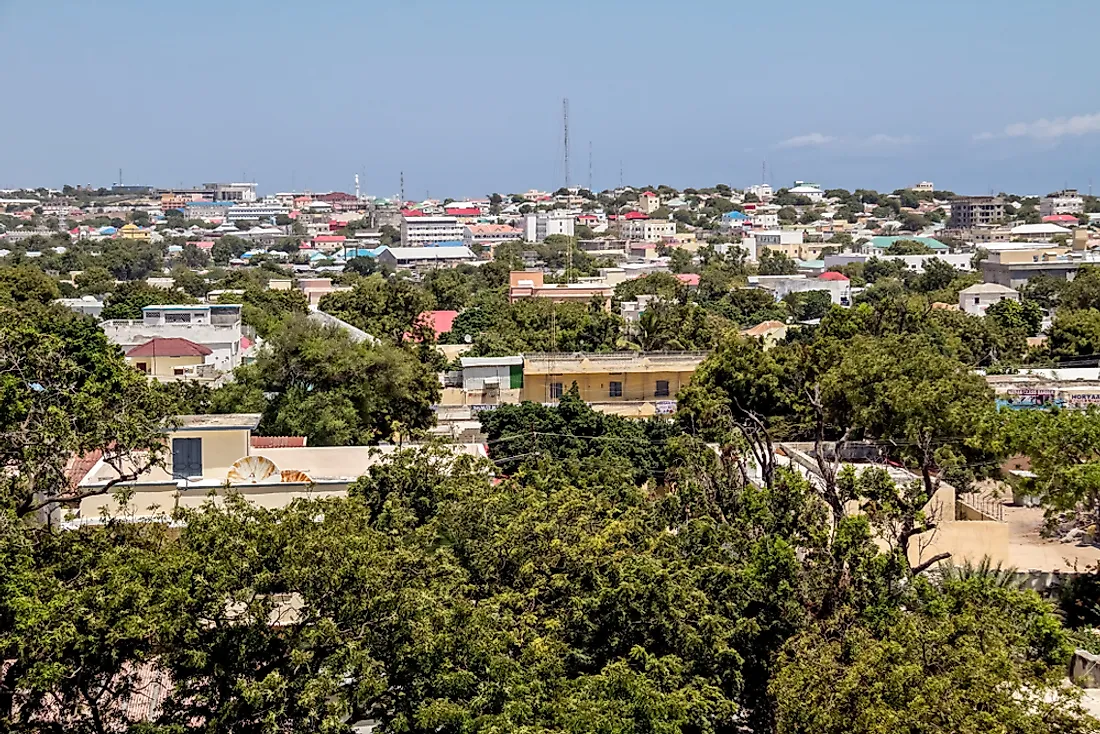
<point>648,202</point>
<point>532,284</point>
<point>619,377</point>
<point>172,359</point>
<point>209,456</point>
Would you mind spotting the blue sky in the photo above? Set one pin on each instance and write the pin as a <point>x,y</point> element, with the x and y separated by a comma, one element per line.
<point>465,98</point>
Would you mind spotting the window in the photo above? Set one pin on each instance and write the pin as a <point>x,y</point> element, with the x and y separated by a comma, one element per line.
<point>142,366</point>
<point>555,390</point>
<point>186,457</point>
<point>615,389</point>
<point>662,389</point>
<point>977,300</point>
<point>177,318</point>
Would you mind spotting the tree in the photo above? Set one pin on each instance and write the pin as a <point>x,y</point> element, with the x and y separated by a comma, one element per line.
<point>680,260</point>
<point>67,391</point>
<point>1074,334</point>
<point>94,281</point>
<point>808,305</point>
<point>128,300</point>
<point>1025,317</point>
<point>193,257</point>
<point>334,390</point>
<point>1083,292</point>
<point>386,308</point>
<point>967,652</point>
<point>1043,290</point>
<point>908,247</point>
<point>24,284</point>
<point>771,262</point>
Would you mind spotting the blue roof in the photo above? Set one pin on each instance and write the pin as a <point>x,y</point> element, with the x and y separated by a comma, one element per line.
<point>350,252</point>
<point>452,243</point>
<point>735,215</point>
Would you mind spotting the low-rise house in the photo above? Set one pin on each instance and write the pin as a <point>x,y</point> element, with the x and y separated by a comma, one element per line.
<point>977,298</point>
<point>532,284</point>
<point>769,332</point>
<point>649,379</point>
<point>489,236</point>
<point>836,284</point>
<point>215,326</point>
<point>168,359</point>
<point>427,258</point>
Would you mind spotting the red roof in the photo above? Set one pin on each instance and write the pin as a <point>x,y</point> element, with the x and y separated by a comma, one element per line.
<point>412,213</point>
<point>832,275</point>
<point>1060,218</point>
<point>688,278</point>
<point>330,238</point>
<point>440,321</point>
<point>635,215</point>
<point>245,342</point>
<point>78,467</point>
<point>169,347</point>
<point>462,212</point>
<point>649,194</point>
<point>278,442</point>
<point>587,216</point>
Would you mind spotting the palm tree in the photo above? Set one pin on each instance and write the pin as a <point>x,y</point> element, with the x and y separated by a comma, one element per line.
<point>998,576</point>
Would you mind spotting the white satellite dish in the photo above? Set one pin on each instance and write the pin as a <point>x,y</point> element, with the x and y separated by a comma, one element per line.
<point>252,470</point>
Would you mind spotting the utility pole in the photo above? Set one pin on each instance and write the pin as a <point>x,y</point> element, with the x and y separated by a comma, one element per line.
<point>402,188</point>
<point>565,127</point>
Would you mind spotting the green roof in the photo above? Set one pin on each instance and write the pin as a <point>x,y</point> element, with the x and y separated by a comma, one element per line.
<point>881,243</point>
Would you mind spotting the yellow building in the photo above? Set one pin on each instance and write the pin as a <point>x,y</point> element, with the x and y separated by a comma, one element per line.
<point>133,232</point>
<point>168,359</point>
<point>653,378</point>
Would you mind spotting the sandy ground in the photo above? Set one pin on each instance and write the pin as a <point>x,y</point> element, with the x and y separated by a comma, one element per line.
<point>1027,549</point>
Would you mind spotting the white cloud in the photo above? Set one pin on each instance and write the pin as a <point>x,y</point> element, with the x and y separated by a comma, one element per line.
<point>1044,129</point>
<point>884,139</point>
<point>806,141</point>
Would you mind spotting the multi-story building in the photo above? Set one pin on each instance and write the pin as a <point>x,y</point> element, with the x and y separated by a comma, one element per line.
<point>1067,201</point>
<point>237,212</point>
<point>648,202</point>
<point>207,211</point>
<point>1015,267</point>
<point>976,211</point>
<point>760,191</point>
<point>646,230</point>
<point>242,192</point>
<point>426,258</point>
<point>216,327</point>
<point>924,187</point>
<point>811,191</point>
<point>421,231</point>
<point>540,225</point>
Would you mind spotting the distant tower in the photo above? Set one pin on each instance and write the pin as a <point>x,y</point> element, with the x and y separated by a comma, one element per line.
<point>402,188</point>
<point>565,127</point>
<point>357,197</point>
<point>589,165</point>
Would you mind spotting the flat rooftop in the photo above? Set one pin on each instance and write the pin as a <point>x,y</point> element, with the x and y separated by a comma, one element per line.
<point>224,422</point>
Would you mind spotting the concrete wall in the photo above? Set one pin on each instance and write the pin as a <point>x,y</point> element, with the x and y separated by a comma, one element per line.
<point>164,366</point>
<point>219,449</point>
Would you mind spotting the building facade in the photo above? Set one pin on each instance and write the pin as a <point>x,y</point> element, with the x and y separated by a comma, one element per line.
<point>421,231</point>
<point>977,298</point>
<point>540,225</point>
<point>215,326</point>
<point>646,230</point>
<point>1067,201</point>
<point>610,378</point>
<point>976,211</point>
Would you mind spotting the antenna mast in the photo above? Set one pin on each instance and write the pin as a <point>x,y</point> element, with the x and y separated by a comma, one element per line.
<point>565,126</point>
<point>357,197</point>
<point>589,165</point>
<point>402,188</point>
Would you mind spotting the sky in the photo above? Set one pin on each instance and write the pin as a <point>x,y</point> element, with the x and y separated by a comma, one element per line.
<point>466,98</point>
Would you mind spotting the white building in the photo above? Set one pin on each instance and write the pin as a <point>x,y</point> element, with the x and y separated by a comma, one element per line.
<point>215,326</point>
<point>761,191</point>
<point>763,219</point>
<point>253,211</point>
<point>840,291</point>
<point>809,190</point>
<point>420,231</point>
<point>923,186</point>
<point>540,225</point>
<point>1037,232</point>
<point>646,230</point>
<point>1067,201</point>
<point>914,263</point>
<point>977,298</point>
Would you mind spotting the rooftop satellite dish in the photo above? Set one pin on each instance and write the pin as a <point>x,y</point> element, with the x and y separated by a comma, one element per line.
<point>252,470</point>
<point>295,475</point>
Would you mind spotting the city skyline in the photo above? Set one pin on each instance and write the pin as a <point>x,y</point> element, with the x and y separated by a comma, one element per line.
<point>464,103</point>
